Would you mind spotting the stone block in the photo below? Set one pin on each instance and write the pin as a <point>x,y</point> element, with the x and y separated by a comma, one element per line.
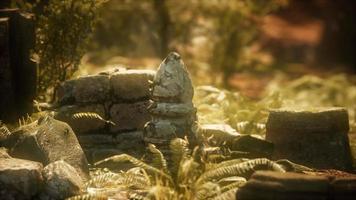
<point>129,117</point>
<point>84,124</point>
<point>86,89</point>
<point>313,138</point>
<point>267,185</point>
<point>131,85</point>
<point>19,179</point>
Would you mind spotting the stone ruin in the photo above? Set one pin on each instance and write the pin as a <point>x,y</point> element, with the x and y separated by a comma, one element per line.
<point>172,110</point>
<point>122,110</point>
<point>120,97</point>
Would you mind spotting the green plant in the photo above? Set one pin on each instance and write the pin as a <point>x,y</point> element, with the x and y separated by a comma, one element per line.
<point>62,34</point>
<point>190,175</point>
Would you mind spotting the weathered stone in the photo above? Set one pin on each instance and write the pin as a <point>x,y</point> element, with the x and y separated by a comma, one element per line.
<point>84,124</point>
<point>86,89</point>
<point>256,146</point>
<point>131,85</point>
<point>219,133</point>
<point>48,140</point>
<point>172,109</point>
<point>130,141</point>
<point>96,139</point>
<point>19,179</point>
<point>64,92</point>
<point>128,117</point>
<point>61,181</point>
<point>267,185</point>
<point>100,154</point>
<point>172,82</point>
<point>312,138</point>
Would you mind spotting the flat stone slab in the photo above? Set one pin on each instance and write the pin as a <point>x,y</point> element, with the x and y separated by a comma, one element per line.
<point>268,185</point>
<point>313,138</point>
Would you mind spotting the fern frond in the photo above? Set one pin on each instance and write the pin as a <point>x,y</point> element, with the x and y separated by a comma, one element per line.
<point>89,197</point>
<point>207,190</point>
<point>158,159</point>
<point>102,180</point>
<point>226,163</point>
<point>136,196</point>
<point>159,192</point>
<point>4,132</point>
<point>179,151</point>
<point>91,115</point>
<point>136,181</point>
<point>124,157</point>
<point>244,169</point>
<point>230,194</point>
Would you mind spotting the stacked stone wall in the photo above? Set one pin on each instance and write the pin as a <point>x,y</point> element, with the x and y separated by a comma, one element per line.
<point>120,98</point>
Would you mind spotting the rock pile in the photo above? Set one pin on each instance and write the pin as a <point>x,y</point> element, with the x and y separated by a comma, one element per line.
<point>45,142</point>
<point>173,113</point>
<point>114,110</point>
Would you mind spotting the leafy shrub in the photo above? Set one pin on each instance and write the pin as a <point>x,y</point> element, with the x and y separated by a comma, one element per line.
<point>61,38</point>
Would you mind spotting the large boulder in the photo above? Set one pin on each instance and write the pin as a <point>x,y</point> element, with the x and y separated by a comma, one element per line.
<point>48,140</point>
<point>61,181</point>
<point>19,179</point>
<point>131,85</point>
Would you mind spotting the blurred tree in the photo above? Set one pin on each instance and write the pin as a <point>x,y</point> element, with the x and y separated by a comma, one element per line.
<point>62,34</point>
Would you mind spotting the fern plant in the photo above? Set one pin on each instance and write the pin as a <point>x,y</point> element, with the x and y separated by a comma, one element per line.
<point>190,176</point>
<point>91,116</point>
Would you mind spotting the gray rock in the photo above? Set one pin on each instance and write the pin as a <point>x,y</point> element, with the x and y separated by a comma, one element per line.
<point>48,140</point>
<point>91,89</point>
<point>128,117</point>
<point>131,85</point>
<point>172,82</point>
<point>64,92</point>
<point>85,124</point>
<point>219,133</point>
<point>19,179</point>
<point>172,109</point>
<point>257,147</point>
<point>313,138</point>
<point>89,140</point>
<point>61,181</point>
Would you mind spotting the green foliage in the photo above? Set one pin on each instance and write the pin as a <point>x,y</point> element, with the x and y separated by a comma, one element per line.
<point>190,176</point>
<point>222,106</point>
<point>61,38</point>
